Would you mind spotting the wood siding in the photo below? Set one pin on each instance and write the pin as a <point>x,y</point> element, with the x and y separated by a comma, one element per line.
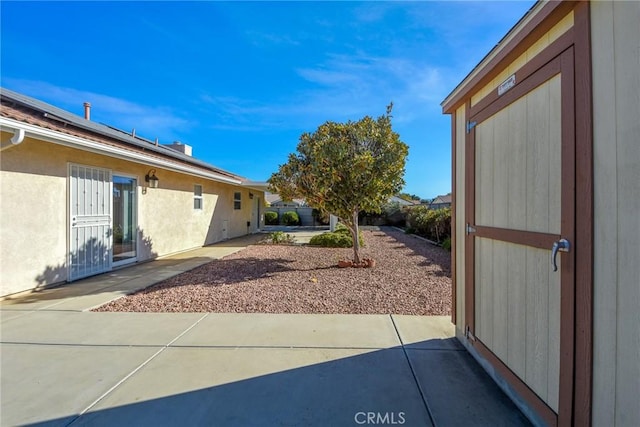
<point>517,176</point>
<point>518,155</point>
<point>552,35</point>
<point>615,39</point>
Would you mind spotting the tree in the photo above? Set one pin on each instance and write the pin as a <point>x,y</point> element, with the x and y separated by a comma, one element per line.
<point>345,168</point>
<point>409,197</point>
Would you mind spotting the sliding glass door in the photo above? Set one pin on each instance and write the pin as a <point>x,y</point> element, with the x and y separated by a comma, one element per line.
<point>125,222</point>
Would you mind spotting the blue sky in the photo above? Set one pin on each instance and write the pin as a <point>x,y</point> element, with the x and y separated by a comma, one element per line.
<point>241,81</point>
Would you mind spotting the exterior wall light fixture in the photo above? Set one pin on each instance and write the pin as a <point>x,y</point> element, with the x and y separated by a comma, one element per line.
<point>151,179</point>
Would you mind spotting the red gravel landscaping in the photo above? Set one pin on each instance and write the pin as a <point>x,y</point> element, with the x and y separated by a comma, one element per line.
<point>411,276</point>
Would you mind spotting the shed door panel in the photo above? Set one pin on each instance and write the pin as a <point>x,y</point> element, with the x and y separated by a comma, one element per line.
<point>521,201</point>
<point>518,163</point>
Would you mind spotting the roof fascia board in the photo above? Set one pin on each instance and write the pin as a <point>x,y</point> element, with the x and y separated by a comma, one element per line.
<point>539,11</point>
<point>59,138</point>
<point>255,185</point>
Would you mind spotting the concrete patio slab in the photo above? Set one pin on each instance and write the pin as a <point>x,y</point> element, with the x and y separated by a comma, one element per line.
<point>460,392</point>
<point>427,332</point>
<point>43,383</point>
<point>112,329</point>
<point>58,361</point>
<point>292,330</point>
<point>266,386</point>
<point>10,315</point>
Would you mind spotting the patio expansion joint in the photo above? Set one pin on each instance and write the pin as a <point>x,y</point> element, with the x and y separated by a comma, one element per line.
<point>285,347</point>
<point>133,372</point>
<point>413,373</point>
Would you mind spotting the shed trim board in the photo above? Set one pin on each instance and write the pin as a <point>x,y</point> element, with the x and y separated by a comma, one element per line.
<point>453,215</point>
<point>568,56</point>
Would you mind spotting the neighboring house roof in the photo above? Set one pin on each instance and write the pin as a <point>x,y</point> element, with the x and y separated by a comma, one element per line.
<point>403,202</point>
<point>273,198</point>
<point>47,122</point>
<point>442,200</point>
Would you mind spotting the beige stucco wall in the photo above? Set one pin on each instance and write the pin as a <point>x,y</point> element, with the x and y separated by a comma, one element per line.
<point>34,211</point>
<point>615,42</point>
<point>33,225</point>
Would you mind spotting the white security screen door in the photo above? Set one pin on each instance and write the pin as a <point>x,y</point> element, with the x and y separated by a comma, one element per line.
<point>90,221</point>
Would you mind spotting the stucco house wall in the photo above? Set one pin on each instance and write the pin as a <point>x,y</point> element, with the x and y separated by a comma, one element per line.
<point>35,208</point>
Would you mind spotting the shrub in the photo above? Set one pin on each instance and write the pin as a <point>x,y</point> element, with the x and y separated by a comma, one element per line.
<point>280,238</point>
<point>446,244</point>
<point>290,218</point>
<point>341,238</point>
<point>332,240</point>
<point>319,217</point>
<point>429,223</point>
<point>271,218</point>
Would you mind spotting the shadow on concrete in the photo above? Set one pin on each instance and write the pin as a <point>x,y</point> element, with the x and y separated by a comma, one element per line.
<point>400,386</point>
<point>93,255</point>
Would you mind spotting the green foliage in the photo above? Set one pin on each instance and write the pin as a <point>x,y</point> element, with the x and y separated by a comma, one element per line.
<point>290,218</point>
<point>446,244</point>
<point>430,223</point>
<point>341,238</point>
<point>345,168</point>
<point>332,240</point>
<point>271,218</point>
<point>280,238</point>
<point>409,197</point>
<point>118,234</point>
<point>319,217</point>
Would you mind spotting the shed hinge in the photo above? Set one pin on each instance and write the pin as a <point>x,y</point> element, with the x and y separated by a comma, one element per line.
<point>470,126</point>
<point>469,334</point>
<point>470,229</point>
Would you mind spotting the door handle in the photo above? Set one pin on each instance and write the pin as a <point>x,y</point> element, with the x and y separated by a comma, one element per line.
<point>560,245</point>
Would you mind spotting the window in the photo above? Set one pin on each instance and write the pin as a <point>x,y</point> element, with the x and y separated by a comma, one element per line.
<point>197,197</point>
<point>237,200</point>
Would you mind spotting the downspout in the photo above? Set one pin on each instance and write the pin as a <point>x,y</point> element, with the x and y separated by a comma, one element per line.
<point>17,138</point>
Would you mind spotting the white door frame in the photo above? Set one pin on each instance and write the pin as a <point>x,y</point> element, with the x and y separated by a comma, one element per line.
<point>135,218</point>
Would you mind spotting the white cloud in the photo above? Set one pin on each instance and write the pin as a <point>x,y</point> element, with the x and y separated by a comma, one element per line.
<point>341,88</point>
<point>156,121</point>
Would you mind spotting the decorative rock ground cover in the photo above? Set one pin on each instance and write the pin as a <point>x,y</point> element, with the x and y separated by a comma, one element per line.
<point>410,276</point>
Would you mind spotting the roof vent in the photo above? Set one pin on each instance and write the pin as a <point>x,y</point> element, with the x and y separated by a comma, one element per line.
<point>87,111</point>
<point>180,147</point>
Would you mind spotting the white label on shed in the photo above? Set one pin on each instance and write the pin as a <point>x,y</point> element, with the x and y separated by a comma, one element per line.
<point>507,84</point>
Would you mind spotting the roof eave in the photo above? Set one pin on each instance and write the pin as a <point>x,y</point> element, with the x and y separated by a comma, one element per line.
<point>72,141</point>
<point>540,9</point>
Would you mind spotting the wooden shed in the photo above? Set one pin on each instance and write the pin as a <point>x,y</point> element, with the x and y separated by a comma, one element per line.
<point>546,175</point>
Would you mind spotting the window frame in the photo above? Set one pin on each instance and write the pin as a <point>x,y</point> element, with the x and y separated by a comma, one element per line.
<point>237,200</point>
<point>197,198</point>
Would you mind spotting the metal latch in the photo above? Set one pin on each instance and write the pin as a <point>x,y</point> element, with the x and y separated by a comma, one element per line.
<point>470,126</point>
<point>469,334</point>
<point>561,245</point>
<point>470,229</point>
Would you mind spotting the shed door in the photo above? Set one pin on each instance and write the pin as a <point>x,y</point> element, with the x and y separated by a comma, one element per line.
<point>520,199</point>
<point>90,221</point>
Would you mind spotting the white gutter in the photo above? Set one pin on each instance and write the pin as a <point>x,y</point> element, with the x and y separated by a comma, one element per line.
<point>256,185</point>
<point>17,138</point>
<point>60,138</point>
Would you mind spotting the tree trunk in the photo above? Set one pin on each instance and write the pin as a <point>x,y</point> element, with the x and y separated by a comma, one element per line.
<point>355,234</point>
